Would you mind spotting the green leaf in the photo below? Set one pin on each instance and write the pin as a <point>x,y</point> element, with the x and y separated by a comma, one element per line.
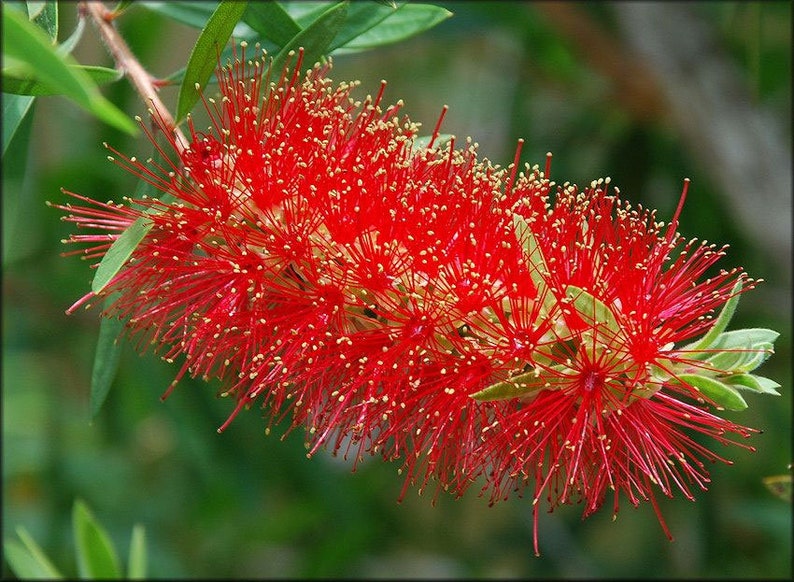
<point>361,17</point>
<point>423,142</point>
<point>25,82</point>
<point>538,269</point>
<point>740,359</point>
<point>752,382</point>
<point>592,310</point>
<point>45,16</point>
<point>118,253</point>
<point>720,324</point>
<point>27,560</point>
<point>106,359</point>
<point>718,392</point>
<point>136,565</point>
<point>406,21</point>
<point>195,14</point>
<point>522,385</point>
<point>315,38</point>
<point>26,43</point>
<point>15,108</point>
<point>205,53</point>
<point>271,21</point>
<point>122,6</point>
<point>96,556</point>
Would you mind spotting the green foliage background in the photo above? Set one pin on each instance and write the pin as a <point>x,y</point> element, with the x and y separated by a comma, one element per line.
<point>242,504</point>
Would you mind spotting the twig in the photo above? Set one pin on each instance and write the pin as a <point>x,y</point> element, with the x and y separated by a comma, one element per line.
<point>130,66</point>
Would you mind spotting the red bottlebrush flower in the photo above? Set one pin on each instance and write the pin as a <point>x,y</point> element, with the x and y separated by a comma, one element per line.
<point>614,406</point>
<point>416,302</point>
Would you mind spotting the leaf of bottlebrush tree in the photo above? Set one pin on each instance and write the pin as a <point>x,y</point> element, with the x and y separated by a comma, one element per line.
<point>95,554</point>
<point>45,15</point>
<point>106,360</point>
<point>24,81</point>
<point>405,21</point>
<point>522,385</point>
<point>136,564</point>
<point>122,6</point>
<point>27,560</point>
<point>204,56</point>
<point>119,252</point>
<point>719,326</point>
<point>716,391</point>
<point>271,21</point>
<point>194,14</point>
<point>25,42</point>
<point>752,382</point>
<point>315,38</point>
<point>15,108</point>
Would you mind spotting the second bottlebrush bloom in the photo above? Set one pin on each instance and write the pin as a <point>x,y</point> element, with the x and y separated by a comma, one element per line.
<point>408,299</point>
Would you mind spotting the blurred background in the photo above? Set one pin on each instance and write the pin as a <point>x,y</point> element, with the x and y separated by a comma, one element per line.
<point>646,93</point>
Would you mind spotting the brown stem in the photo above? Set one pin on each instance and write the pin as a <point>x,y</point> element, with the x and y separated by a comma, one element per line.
<point>130,66</point>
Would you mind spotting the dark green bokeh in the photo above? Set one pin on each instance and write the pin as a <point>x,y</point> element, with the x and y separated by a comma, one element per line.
<point>241,504</point>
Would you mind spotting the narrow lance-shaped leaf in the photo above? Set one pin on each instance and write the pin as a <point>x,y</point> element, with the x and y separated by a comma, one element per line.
<point>204,56</point>
<point>106,359</point>
<point>95,554</point>
<point>314,39</point>
<point>718,392</point>
<point>24,81</point>
<point>720,324</point>
<point>271,21</point>
<point>137,563</point>
<point>752,382</point>
<point>522,385</point>
<point>27,560</point>
<point>592,310</point>
<point>26,43</point>
<point>407,20</point>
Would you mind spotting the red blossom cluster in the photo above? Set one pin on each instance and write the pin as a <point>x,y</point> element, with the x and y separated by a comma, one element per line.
<point>404,298</point>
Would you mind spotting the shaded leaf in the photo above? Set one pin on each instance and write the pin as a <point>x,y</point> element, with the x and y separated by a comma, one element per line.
<point>106,359</point>
<point>194,14</point>
<point>25,42</point>
<point>45,16</point>
<point>271,21</point>
<point>205,53</point>
<point>15,108</point>
<point>95,554</point>
<point>407,20</point>
<point>315,38</point>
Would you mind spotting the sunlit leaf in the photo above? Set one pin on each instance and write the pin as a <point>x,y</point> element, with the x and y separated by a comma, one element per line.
<point>121,250</point>
<point>94,551</point>
<point>205,53</point>
<point>752,382</point>
<point>25,82</point>
<point>522,385</point>
<point>137,563</point>
<point>592,310</point>
<point>27,560</point>
<point>25,42</point>
<point>718,392</point>
<point>720,324</point>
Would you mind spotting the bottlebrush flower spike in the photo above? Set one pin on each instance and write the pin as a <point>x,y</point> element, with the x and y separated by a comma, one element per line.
<point>410,300</point>
<point>616,404</point>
